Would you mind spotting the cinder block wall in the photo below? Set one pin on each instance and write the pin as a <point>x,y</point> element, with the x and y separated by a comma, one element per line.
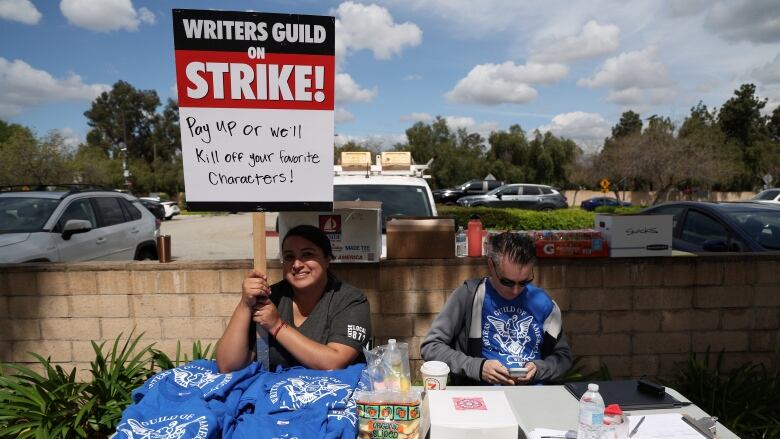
<point>638,316</point>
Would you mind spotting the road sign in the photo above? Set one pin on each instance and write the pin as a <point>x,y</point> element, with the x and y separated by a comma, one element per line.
<point>768,179</point>
<point>604,183</point>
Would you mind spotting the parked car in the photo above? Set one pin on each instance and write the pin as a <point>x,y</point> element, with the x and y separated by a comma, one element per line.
<point>592,203</point>
<point>471,187</point>
<point>155,207</point>
<point>74,224</point>
<point>771,196</point>
<point>719,227</point>
<point>171,208</point>
<point>521,196</point>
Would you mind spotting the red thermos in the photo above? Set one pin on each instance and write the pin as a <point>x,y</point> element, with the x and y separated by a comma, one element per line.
<point>475,237</point>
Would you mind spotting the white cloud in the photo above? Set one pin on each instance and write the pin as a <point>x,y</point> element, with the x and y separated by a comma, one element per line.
<point>595,40</point>
<point>105,15</point>
<point>22,86</point>
<point>382,141</point>
<point>22,11</point>
<point>417,117</point>
<point>633,77</point>
<point>341,115</point>
<point>456,122</point>
<point>587,129</point>
<point>756,21</point>
<point>493,84</point>
<point>71,138</point>
<point>413,77</point>
<point>770,72</point>
<point>347,90</point>
<point>371,27</point>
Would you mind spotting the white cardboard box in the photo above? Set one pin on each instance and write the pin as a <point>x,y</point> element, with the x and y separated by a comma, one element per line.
<point>636,235</point>
<point>469,414</point>
<point>354,229</point>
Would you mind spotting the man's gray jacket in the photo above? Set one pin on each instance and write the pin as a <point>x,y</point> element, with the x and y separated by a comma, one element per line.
<point>454,338</point>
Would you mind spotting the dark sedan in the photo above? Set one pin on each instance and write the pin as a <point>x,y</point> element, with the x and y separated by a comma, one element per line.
<point>722,227</point>
<point>592,203</point>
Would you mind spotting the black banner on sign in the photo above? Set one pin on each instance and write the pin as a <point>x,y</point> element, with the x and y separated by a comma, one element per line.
<point>227,31</point>
<point>229,206</point>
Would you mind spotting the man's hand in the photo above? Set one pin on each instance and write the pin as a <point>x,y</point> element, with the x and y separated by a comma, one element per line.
<point>529,377</point>
<point>494,372</point>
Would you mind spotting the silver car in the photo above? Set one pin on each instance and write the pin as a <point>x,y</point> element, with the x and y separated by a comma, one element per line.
<point>74,225</point>
<point>519,196</point>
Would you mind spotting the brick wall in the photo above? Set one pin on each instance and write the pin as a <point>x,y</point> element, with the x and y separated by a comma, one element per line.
<point>637,316</point>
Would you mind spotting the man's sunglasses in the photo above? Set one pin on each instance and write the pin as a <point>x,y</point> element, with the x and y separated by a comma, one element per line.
<point>509,283</point>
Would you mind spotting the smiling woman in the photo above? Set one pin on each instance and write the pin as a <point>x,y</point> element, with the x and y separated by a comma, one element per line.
<point>313,319</point>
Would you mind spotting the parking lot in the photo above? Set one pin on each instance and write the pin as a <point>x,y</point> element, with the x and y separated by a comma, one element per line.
<point>196,237</point>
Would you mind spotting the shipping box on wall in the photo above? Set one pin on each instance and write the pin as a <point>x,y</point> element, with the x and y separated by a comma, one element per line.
<point>467,414</point>
<point>411,237</point>
<point>353,228</point>
<point>636,235</point>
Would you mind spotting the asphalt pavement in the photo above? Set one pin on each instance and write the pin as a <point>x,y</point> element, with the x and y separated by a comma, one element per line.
<point>195,237</point>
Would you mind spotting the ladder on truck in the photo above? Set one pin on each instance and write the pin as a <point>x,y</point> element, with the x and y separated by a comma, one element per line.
<point>397,163</point>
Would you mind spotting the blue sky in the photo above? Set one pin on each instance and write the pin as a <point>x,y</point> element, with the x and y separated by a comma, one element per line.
<point>568,67</point>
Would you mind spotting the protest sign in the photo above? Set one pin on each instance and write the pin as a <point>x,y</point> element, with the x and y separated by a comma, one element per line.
<point>256,99</point>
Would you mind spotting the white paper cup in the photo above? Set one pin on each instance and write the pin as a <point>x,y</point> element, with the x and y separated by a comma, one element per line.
<point>434,375</point>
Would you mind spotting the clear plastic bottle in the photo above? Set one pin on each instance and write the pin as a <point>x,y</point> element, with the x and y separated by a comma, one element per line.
<point>591,419</point>
<point>460,243</point>
<point>394,362</point>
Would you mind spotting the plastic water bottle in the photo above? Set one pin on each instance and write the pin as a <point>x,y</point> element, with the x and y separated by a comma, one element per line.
<point>591,414</point>
<point>460,243</point>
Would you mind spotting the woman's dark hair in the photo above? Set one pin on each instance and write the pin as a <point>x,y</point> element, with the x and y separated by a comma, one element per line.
<point>312,234</point>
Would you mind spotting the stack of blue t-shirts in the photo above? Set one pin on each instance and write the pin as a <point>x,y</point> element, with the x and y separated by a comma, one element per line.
<point>299,402</point>
<point>190,401</point>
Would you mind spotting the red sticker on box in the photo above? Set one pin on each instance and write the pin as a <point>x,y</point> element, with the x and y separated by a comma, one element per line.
<point>469,403</point>
<point>330,223</point>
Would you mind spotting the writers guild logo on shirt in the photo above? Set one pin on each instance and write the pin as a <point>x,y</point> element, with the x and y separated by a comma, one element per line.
<point>199,379</point>
<point>330,224</point>
<point>190,376</point>
<point>356,332</point>
<point>294,393</point>
<point>166,427</point>
<point>511,336</point>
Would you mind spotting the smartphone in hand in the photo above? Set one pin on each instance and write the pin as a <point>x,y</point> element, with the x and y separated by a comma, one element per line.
<point>518,372</point>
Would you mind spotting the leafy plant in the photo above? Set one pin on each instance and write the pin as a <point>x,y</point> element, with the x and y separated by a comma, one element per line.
<point>114,376</point>
<point>744,399</point>
<point>56,405</point>
<point>577,372</point>
<point>34,405</point>
<point>163,361</point>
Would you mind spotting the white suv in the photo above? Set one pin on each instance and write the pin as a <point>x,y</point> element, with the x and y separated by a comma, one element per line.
<point>74,224</point>
<point>402,192</point>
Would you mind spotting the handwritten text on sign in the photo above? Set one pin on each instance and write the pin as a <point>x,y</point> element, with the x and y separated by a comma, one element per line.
<point>256,94</point>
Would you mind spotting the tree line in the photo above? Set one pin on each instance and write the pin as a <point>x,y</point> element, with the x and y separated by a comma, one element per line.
<point>727,148</point>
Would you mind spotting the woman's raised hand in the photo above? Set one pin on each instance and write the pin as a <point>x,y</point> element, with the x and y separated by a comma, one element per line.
<point>255,289</point>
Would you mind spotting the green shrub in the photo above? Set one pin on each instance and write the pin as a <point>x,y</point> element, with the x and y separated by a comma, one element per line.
<point>56,405</point>
<point>520,219</point>
<point>744,399</point>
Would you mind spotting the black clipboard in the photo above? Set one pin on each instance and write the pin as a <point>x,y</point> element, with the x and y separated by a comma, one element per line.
<point>626,394</point>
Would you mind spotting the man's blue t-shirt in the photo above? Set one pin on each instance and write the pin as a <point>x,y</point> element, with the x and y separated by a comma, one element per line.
<point>513,330</point>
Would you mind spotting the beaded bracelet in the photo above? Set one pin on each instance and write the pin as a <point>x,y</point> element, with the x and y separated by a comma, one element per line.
<point>279,328</point>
